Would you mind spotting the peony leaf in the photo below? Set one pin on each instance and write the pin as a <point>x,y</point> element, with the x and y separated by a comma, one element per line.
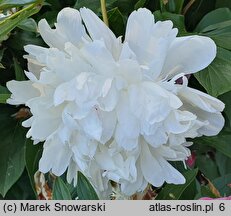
<point>12,147</point>
<point>226,99</point>
<point>94,5</point>
<point>116,21</point>
<point>84,189</point>
<point>139,4</point>
<point>221,142</point>
<point>5,4</point>
<point>174,192</point>
<point>4,97</point>
<point>28,25</point>
<point>223,163</point>
<point>60,190</point>
<point>223,3</point>
<point>19,73</point>
<point>207,166</point>
<point>216,78</point>
<point>9,23</point>
<point>217,25</point>
<point>32,156</point>
<point>173,6</point>
<point>217,16</point>
<point>4,94</point>
<point>222,184</point>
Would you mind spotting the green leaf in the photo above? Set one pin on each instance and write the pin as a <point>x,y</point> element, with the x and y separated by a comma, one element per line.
<point>190,192</point>
<point>221,35</point>
<point>223,163</point>
<point>216,78</point>
<point>214,17</point>
<point>1,56</point>
<point>178,20</point>
<point>12,147</point>
<point>60,190</point>
<point>116,21</point>
<point>171,6</point>
<point>4,90</point>
<point>4,94</point>
<point>4,97</point>
<point>207,166</point>
<point>220,142</point>
<point>139,4</point>
<point>19,73</point>
<point>32,157</point>
<point>221,184</point>
<point>28,25</point>
<point>197,11</point>
<point>205,192</point>
<point>85,190</point>
<point>174,192</point>
<point>125,6</point>
<point>178,6</point>
<point>217,25</point>
<point>174,6</point>
<point>5,4</point>
<point>226,99</point>
<point>21,38</point>
<point>21,190</point>
<point>223,3</point>
<point>12,21</point>
<point>92,4</point>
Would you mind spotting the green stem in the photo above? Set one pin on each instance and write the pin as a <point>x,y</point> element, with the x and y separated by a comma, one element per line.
<point>104,11</point>
<point>191,2</point>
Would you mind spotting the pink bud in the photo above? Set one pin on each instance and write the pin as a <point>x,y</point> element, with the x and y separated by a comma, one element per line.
<point>191,160</point>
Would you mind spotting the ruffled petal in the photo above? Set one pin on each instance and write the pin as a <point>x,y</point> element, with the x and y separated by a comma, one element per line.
<point>188,55</point>
<point>69,28</point>
<point>149,41</point>
<point>99,31</point>
<point>22,91</point>
<point>150,167</point>
<point>53,160</point>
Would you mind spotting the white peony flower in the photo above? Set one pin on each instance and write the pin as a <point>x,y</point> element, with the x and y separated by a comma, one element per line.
<point>113,109</point>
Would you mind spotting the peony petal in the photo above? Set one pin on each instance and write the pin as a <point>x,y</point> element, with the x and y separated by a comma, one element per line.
<point>56,161</point>
<point>99,57</point>
<point>69,22</point>
<point>179,121</point>
<point>64,92</point>
<point>139,185</point>
<point>138,32</point>
<point>149,41</point>
<point>130,70</point>
<point>71,173</point>
<point>92,125</point>
<point>69,28</point>
<point>22,91</point>
<point>215,123</point>
<point>99,31</point>
<point>126,141</point>
<point>109,98</point>
<point>108,124</point>
<point>171,175</point>
<point>43,127</point>
<point>151,168</point>
<point>201,100</point>
<point>196,53</point>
